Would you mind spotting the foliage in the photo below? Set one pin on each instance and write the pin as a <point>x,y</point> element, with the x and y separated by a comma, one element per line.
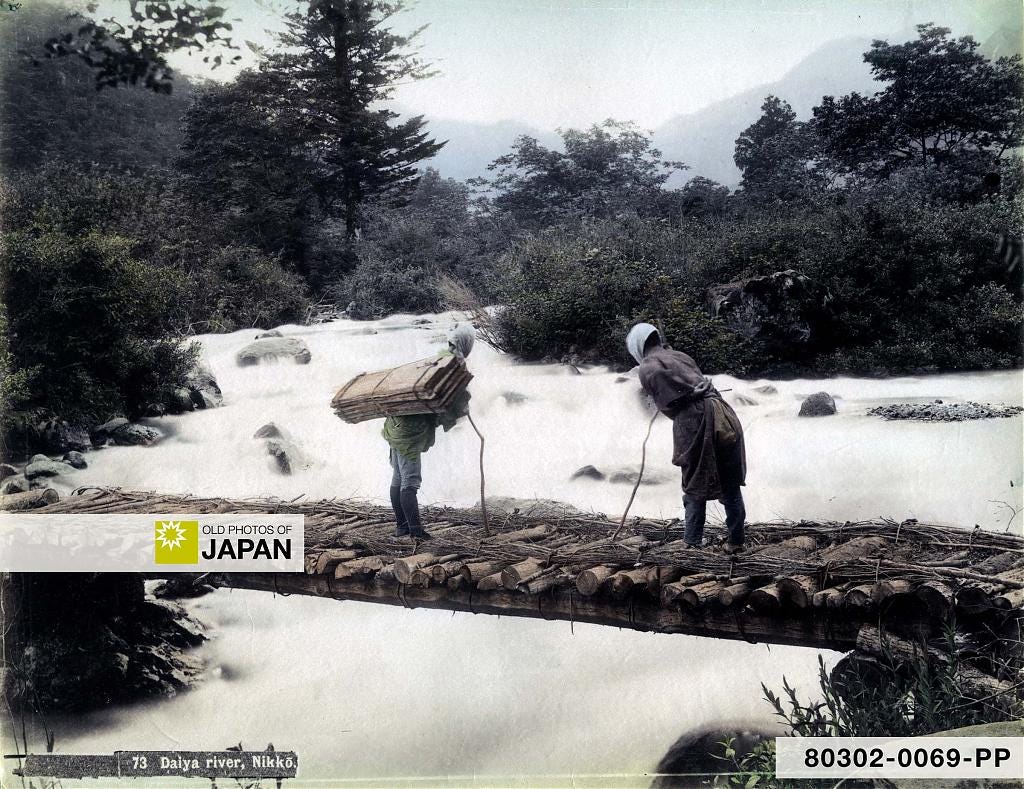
<point>606,170</point>
<point>137,52</point>
<point>239,160</point>
<point>944,105</point>
<point>50,111</point>
<point>87,325</point>
<point>776,154</point>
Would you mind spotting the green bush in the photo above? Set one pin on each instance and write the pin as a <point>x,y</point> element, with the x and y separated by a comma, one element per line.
<point>87,325</point>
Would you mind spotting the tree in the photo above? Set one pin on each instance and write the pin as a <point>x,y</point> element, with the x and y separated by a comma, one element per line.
<point>340,63</point>
<point>775,153</point>
<point>239,159</point>
<point>136,52</point>
<point>945,105</point>
<point>605,170</point>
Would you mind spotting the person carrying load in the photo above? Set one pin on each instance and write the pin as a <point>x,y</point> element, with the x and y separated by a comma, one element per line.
<point>409,436</point>
<point>706,434</point>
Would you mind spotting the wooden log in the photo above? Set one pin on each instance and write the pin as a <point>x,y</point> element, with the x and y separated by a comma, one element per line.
<point>857,548</point>
<point>836,594</point>
<point>734,593</point>
<point>545,582</point>
<point>442,571</point>
<point>331,558</point>
<point>1009,600</point>
<point>859,597</point>
<point>522,535</point>
<point>662,575</point>
<point>420,577</point>
<point>936,596</point>
<point>489,582</point>
<point>456,582</point>
<point>765,599</point>
<point>405,565</point>
<point>701,594</point>
<point>981,685</point>
<point>670,592</point>
<point>368,565</point>
<point>29,500</point>
<point>977,596</point>
<point>993,565</point>
<point>514,574</point>
<point>792,548</point>
<point>385,576</point>
<point>474,571</point>
<point>624,581</point>
<point>887,589</point>
<point>797,590</point>
<point>589,581</point>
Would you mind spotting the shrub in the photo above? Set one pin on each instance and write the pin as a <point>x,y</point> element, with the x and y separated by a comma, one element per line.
<point>87,325</point>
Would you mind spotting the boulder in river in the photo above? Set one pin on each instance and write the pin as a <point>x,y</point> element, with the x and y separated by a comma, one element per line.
<point>203,390</point>
<point>742,399</point>
<point>818,404</point>
<point>57,436</point>
<point>269,430</point>
<point>17,484</point>
<point>588,472</point>
<point>102,434</point>
<point>281,447</point>
<point>271,333</point>
<point>767,389</point>
<point>628,476</point>
<point>272,349</point>
<point>75,460</point>
<point>136,435</point>
<point>45,468</point>
<point>7,470</point>
<point>513,398</point>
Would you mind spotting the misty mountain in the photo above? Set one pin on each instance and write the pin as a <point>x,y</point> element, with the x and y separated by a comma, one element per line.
<point>704,139</point>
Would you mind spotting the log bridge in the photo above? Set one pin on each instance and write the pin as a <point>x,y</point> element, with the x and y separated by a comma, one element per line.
<point>825,585</point>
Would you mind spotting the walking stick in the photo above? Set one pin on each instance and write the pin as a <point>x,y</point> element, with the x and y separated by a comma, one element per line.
<point>639,477</point>
<point>483,501</point>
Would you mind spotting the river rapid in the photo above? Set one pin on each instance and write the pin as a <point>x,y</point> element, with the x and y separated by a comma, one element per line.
<point>382,695</point>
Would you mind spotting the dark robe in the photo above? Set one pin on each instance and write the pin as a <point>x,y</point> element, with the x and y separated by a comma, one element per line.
<point>683,394</point>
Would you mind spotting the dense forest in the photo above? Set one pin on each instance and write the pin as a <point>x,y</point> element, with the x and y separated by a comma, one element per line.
<point>878,236</point>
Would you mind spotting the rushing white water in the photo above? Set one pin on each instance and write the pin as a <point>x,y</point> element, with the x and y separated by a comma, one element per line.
<point>373,692</point>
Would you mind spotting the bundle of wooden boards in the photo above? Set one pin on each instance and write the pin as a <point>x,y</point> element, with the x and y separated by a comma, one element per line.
<point>427,386</point>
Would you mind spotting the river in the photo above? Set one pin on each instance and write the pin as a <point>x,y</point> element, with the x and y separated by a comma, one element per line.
<point>380,694</point>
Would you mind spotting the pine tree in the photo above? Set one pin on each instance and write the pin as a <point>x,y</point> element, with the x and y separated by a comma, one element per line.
<point>342,63</point>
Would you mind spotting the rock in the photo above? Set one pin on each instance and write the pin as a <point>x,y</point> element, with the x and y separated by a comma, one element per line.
<point>57,436</point>
<point>767,389</point>
<point>628,476</point>
<point>269,430</point>
<point>421,322</point>
<point>38,459</point>
<point>180,401</point>
<point>46,468</point>
<point>284,452</point>
<point>818,404</point>
<point>700,753</point>
<point>271,333</point>
<point>514,398</point>
<point>203,390</point>
<point>944,412</point>
<point>75,460</point>
<point>7,470</point>
<point>741,399</point>
<point>100,435</point>
<point>135,435</point>
<point>365,332</point>
<point>154,409</point>
<point>17,484</point>
<point>181,586</point>
<point>588,472</point>
<point>274,348</point>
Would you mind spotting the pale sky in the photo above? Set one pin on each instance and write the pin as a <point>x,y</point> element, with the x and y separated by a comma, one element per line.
<point>557,63</point>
